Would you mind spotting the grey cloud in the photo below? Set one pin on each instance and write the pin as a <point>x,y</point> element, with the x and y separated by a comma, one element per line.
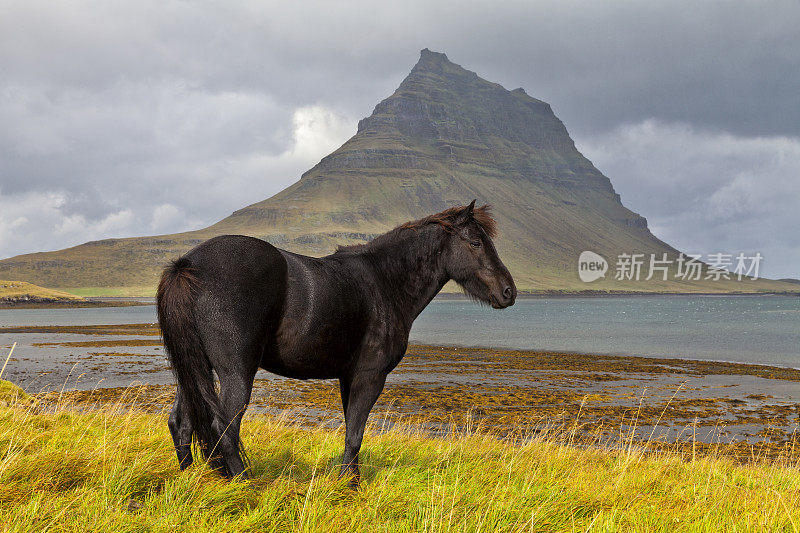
<point>708,192</point>
<point>726,64</point>
<point>126,107</point>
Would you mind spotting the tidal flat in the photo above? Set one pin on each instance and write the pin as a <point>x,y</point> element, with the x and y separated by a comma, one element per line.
<point>741,410</point>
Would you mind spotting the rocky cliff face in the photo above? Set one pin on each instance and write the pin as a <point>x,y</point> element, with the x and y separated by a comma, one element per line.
<point>454,118</point>
<point>444,137</point>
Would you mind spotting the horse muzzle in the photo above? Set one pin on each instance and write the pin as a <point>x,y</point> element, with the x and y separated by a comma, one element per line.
<point>504,299</point>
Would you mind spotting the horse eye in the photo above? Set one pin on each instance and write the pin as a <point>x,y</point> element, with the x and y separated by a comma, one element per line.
<point>475,244</point>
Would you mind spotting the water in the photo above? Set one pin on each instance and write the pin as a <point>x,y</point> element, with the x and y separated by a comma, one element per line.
<point>76,317</point>
<point>745,329</point>
<point>742,329</point>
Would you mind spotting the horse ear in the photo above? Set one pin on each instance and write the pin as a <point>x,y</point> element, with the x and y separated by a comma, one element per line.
<point>470,207</point>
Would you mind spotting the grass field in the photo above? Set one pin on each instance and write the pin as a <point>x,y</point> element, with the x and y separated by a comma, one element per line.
<point>114,470</point>
<point>105,292</point>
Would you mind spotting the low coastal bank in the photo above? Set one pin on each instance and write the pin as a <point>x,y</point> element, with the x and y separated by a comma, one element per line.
<point>123,301</point>
<point>45,303</point>
<point>23,295</point>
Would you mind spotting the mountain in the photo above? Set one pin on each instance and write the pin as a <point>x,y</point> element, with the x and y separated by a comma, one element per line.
<point>444,137</point>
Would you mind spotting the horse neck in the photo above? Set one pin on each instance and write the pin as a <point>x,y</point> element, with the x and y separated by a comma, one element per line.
<point>412,269</point>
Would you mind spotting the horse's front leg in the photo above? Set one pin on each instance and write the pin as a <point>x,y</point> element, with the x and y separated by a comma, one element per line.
<point>364,389</point>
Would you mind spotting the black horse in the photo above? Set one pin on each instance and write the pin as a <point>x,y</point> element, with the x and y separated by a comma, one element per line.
<point>234,304</point>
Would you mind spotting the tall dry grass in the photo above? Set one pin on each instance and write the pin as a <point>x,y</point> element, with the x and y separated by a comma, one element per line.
<point>69,468</point>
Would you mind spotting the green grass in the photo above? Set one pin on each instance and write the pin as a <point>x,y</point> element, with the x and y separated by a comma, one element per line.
<point>95,291</point>
<point>114,470</point>
<point>92,292</point>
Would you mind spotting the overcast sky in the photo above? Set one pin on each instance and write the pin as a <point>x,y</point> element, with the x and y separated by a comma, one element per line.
<point>147,117</point>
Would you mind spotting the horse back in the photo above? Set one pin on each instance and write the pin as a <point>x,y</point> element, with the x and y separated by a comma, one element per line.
<point>299,316</point>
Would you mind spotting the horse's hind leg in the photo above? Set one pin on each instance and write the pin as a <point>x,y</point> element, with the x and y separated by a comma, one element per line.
<point>181,429</point>
<point>235,393</point>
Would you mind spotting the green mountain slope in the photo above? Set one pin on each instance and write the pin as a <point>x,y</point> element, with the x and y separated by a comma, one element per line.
<point>444,137</point>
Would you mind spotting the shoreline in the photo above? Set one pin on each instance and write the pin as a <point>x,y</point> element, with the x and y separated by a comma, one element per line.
<point>656,359</point>
<point>126,301</point>
<point>613,294</point>
<point>152,330</point>
<point>68,304</point>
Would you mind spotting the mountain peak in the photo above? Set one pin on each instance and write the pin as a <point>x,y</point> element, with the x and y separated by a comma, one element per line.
<point>445,118</point>
<point>430,61</point>
<point>429,56</point>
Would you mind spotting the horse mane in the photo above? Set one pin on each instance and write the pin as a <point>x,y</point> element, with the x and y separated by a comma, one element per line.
<point>482,215</point>
<point>447,219</point>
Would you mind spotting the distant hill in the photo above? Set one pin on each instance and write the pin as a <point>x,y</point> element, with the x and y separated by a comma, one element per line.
<point>444,137</point>
<point>21,291</point>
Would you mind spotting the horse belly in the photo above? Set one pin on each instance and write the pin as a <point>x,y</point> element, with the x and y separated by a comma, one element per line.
<point>311,345</point>
<point>300,359</point>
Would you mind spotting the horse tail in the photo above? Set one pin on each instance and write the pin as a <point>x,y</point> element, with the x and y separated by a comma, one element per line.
<point>175,299</point>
